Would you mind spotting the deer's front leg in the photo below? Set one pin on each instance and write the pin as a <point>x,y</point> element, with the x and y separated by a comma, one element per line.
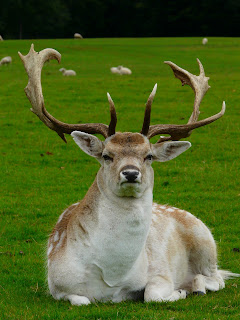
<point>161,289</point>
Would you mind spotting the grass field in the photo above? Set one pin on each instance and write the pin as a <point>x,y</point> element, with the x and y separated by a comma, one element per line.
<point>41,176</point>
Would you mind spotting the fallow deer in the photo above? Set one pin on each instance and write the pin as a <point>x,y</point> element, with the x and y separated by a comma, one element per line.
<point>116,244</point>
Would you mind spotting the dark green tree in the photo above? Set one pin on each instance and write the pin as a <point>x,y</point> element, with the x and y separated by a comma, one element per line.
<point>119,18</point>
<point>34,18</point>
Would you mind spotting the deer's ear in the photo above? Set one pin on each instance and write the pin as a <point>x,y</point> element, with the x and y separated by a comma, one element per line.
<point>91,145</point>
<point>169,150</point>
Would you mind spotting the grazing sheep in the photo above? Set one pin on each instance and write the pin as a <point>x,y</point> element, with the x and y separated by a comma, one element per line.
<point>78,36</point>
<point>1,38</point>
<point>67,72</point>
<point>6,60</point>
<point>204,41</point>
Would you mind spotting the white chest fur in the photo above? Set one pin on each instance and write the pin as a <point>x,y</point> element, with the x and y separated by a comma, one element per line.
<point>118,243</point>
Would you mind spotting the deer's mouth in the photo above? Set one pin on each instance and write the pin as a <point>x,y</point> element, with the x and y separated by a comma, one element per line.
<point>129,183</point>
<point>129,189</point>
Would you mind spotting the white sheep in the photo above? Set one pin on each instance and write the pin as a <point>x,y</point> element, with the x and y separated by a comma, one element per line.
<point>78,36</point>
<point>121,70</point>
<point>67,72</point>
<point>124,70</point>
<point>204,41</point>
<point>115,70</point>
<point>6,60</point>
<point>1,38</point>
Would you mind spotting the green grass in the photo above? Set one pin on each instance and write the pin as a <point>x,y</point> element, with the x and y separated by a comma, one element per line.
<point>37,186</point>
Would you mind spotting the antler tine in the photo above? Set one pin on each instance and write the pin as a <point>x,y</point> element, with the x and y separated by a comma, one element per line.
<point>147,115</point>
<point>113,122</point>
<point>33,63</point>
<point>200,86</point>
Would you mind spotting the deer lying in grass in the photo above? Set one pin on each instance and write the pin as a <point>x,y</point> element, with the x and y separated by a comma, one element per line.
<point>116,244</point>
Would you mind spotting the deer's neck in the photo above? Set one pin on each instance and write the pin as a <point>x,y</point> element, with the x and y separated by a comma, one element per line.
<point>120,235</point>
<point>113,232</point>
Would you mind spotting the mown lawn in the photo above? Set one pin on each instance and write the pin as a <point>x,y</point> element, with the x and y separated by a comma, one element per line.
<point>41,176</point>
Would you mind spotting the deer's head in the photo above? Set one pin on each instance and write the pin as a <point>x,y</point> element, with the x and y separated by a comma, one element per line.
<point>126,158</point>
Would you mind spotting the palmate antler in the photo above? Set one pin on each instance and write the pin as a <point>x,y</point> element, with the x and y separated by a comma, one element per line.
<point>33,63</point>
<point>199,84</point>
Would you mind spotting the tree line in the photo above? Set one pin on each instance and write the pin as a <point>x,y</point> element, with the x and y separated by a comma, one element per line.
<point>25,19</point>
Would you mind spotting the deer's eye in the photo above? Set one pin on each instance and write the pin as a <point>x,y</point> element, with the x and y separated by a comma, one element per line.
<point>149,157</point>
<point>107,158</point>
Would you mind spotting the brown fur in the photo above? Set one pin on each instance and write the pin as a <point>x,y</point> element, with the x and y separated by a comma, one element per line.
<point>185,221</point>
<point>68,220</point>
<point>127,138</point>
<point>127,145</point>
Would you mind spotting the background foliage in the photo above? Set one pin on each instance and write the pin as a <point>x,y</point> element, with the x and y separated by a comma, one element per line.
<point>113,18</point>
<point>40,175</point>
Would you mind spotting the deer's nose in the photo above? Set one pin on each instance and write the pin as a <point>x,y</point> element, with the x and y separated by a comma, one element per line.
<point>130,175</point>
